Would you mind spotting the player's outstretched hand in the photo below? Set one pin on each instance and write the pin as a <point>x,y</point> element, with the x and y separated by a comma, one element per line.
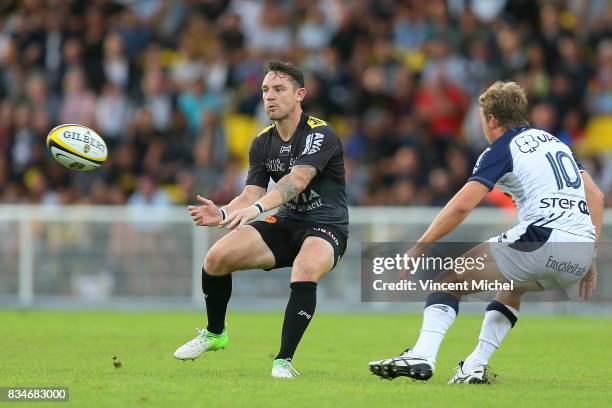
<point>415,252</point>
<point>237,219</point>
<point>207,214</point>
<point>588,284</point>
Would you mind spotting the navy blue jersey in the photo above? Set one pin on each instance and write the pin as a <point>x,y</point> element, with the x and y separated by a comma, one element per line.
<point>542,176</point>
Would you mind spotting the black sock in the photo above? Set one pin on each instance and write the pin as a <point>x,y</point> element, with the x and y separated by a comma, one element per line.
<point>299,312</point>
<point>217,292</point>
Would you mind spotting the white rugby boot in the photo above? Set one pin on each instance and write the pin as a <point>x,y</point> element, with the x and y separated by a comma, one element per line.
<point>203,342</point>
<point>478,375</point>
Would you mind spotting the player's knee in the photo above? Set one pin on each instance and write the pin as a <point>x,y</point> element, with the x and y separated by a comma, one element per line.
<point>306,272</point>
<point>217,263</point>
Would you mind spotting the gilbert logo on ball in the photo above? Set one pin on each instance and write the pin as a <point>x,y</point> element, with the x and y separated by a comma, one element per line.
<point>77,147</point>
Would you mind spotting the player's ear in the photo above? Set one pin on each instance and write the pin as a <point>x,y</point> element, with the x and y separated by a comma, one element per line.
<point>300,94</point>
<point>492,121</point>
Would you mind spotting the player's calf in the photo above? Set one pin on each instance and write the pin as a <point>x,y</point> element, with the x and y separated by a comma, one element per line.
<point>498,321</point>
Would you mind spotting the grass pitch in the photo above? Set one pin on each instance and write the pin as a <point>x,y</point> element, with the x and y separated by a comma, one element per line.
<point>553,361</point>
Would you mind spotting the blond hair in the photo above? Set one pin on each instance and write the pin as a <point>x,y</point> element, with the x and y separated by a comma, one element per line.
<point>507,102</point>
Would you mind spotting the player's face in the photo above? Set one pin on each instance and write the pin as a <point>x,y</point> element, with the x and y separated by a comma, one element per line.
<point>280,94</point>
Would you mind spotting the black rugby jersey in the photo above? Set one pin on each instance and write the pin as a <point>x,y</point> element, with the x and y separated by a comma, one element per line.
<point>313,143</point>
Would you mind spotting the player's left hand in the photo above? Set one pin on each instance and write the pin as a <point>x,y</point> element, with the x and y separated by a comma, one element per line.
<point>588,284</point>
<point>237,219</point>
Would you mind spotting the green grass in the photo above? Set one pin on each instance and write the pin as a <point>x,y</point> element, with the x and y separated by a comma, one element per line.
<point>555,361</point>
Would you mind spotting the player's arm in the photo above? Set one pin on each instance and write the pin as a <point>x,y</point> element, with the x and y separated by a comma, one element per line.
<point>492,164</point>
<point>208,213</point>
<point>595,202</point>
<point>249,195</point>
<point>455,211</point>
<point>453,214</point>
<point>287,188</point>
<point>256,184</point>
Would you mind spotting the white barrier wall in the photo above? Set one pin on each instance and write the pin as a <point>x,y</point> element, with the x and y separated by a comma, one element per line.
<point>128,257</point>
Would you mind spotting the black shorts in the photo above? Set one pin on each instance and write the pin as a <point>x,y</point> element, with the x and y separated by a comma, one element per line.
<point>285,236</point>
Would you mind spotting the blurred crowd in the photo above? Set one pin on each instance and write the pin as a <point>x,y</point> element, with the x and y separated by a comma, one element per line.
<point>170,85</point>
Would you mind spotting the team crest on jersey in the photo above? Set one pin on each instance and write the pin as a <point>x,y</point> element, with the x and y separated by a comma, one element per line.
<point>313,143</point>
<point>527,143</point>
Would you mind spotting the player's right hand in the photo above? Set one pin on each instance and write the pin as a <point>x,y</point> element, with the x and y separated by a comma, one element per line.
<point>207,214</point>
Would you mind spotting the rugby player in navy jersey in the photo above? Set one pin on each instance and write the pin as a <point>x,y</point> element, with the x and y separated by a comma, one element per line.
<point>560,211</point>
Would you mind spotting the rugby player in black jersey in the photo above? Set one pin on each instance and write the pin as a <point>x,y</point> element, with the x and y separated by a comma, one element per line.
<point>303,155</point>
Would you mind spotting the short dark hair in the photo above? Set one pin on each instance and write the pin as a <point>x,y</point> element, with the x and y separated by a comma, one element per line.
<point>287,68</point>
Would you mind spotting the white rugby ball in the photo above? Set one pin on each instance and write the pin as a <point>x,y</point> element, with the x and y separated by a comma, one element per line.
<point>77,147</point>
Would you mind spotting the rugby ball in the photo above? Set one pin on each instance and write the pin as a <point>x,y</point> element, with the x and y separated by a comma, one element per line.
<point>77,147</point>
